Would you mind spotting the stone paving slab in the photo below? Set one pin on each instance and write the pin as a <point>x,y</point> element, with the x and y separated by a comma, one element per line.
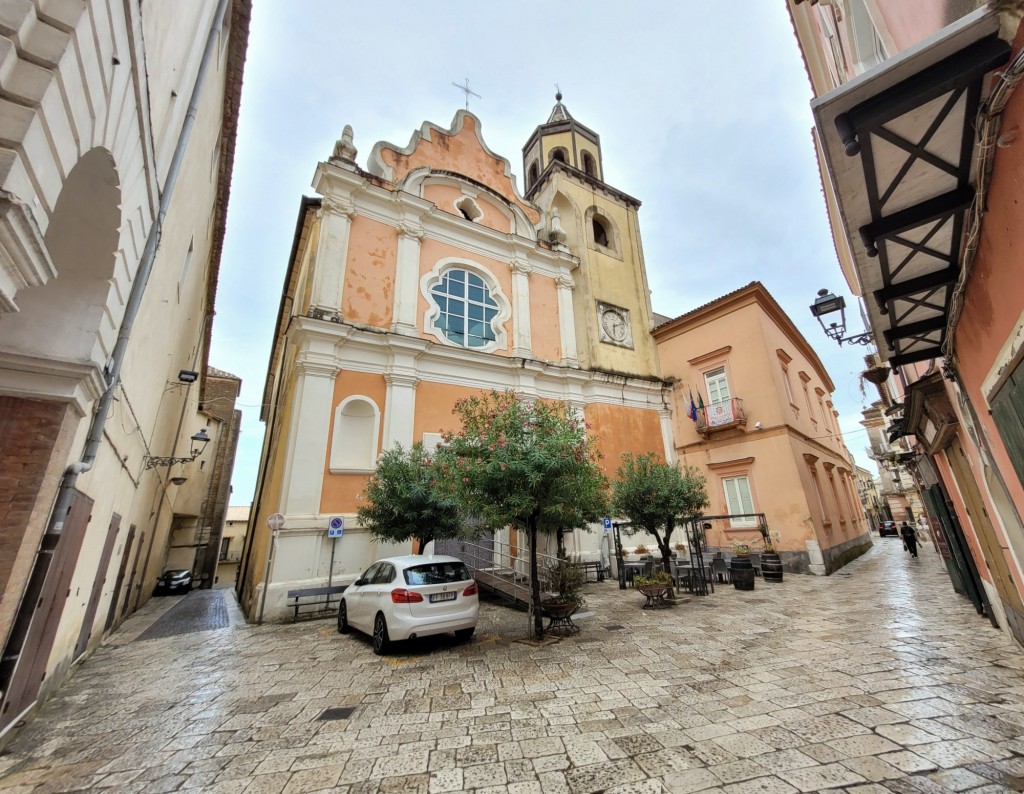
<point>879,680</point>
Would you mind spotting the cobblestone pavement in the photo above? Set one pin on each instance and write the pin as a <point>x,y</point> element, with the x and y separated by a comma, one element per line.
<point>875,679</point>
<point>200,610</point>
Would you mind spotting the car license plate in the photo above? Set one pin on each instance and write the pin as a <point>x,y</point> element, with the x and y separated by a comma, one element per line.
<point>442,596</point>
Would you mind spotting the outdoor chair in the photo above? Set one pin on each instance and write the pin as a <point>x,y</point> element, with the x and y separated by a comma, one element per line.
<point>681,577</point>
<point>719,569</point>
<point>755,563</point>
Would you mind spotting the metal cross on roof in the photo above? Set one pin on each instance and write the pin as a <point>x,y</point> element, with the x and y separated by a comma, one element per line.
<point>467,91</point>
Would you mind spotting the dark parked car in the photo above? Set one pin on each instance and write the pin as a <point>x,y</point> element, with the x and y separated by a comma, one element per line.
<point>171,582</point>
<point>888,528</point>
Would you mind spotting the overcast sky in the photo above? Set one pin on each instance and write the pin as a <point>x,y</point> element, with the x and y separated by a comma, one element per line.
<point>702,109</point>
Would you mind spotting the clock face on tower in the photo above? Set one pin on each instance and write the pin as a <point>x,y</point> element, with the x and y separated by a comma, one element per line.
<point>614,325</point>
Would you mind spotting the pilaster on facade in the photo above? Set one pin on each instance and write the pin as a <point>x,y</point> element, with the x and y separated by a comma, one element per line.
<point>521,270</point>
<point>336,215</point>
<point>316,368</point>
<point>567,320</point>
<point>407,276</point>
<point>399,409</point>
<point>671,457</point>
<point>24,258</point>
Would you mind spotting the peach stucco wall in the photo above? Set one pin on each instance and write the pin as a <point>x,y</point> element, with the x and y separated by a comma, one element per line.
<point>620,430</point>
<point>910,23</point>
<point>340,490</point>
<point>461,153</point>
<point>545,334</point>
<point>434,404</point>
<point>446,196</point>
<point>369,290</point>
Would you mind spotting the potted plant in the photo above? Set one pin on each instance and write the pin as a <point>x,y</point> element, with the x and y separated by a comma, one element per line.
<point>741,570</point>
<point>564,581</point>
<point>771,560</point>
<point>654,587</point>
<point>641,550</point>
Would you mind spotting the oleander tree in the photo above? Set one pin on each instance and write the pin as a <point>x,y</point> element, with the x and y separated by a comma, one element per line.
<point>404,500</point>
<point>657,496</point>
<point>531,464</point>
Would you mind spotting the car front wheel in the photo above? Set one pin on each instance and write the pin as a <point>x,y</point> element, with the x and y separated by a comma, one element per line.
<point>380,635</point>
<point>343,627</point>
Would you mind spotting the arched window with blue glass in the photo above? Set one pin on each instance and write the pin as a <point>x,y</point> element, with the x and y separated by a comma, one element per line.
<point>467,310</point>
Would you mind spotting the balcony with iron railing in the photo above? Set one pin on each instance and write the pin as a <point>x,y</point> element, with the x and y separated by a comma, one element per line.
<point>721,416</point>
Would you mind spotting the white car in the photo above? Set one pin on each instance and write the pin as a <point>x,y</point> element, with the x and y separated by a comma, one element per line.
<point>399,598</point>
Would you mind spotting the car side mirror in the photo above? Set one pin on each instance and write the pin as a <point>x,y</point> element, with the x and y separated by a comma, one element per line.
<point>358,582</point>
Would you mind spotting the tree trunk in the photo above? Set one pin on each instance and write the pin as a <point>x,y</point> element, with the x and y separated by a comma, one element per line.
<point>538,619</point>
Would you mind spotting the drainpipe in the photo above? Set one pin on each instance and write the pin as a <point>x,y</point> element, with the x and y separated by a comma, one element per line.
<point>145,270</point>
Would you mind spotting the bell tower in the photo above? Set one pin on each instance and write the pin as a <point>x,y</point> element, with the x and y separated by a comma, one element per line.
<point>598,224</point>
<point>562,139</point>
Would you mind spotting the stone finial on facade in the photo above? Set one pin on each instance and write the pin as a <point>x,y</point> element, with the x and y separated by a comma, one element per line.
<point>556,234</point>
<point>344,148</point>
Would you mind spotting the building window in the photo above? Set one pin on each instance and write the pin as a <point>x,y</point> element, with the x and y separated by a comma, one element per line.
<point>738,500</point>
<point>224,543</point>
<point>354,440</point>
<point>470,209</point>
<point>466,309</point>
<point>717,385</point>
<point>600,231</point>
<point>786,383</point>
<point>589,166</point>
<point>558,154</point>
<point>531,180</point>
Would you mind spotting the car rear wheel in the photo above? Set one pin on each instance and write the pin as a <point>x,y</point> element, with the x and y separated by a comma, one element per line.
<point>380,635</point>
<point>464,634</point>
<point>343,627</point>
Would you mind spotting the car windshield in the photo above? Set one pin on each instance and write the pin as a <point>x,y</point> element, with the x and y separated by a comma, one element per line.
<point>437,573</point>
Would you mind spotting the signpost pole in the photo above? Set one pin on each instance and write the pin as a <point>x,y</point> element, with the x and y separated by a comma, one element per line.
<point>330,571</point>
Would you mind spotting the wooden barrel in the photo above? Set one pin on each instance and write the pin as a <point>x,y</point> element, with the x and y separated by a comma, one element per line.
<point>771,567</point>
<point>742,573</point>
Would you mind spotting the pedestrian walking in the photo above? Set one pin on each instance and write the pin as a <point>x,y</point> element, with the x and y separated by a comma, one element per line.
<point>909,538</point>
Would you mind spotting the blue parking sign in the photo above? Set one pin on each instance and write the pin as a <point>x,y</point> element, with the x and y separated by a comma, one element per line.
<point>335,527</point>
<point>607,523</point>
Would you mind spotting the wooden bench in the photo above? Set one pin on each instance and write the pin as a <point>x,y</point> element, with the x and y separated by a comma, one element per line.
<point>318,598</point>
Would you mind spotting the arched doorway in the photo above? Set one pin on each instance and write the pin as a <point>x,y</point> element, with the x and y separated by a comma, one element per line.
<point>54,348</point>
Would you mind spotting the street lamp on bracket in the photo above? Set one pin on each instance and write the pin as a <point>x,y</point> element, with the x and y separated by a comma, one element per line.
<point>199,442</point>
<point>827,303</point>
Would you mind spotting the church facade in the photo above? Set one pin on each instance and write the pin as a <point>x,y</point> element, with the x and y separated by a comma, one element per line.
<point>425,278</point>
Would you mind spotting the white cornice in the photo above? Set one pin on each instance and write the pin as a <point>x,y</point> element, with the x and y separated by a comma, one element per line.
<point>79,383</point>
<point>365,351</point>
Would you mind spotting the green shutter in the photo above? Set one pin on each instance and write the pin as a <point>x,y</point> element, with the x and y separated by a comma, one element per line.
<point>1008,414</point>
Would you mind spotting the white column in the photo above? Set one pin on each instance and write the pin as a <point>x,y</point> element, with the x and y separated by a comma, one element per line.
<point>523,346</point>
<point>308,436</point>
<point>666,436</point>
<point>399,409</point>
<point>407,278</point>
<point>331,256</point>
<point>567,320</point>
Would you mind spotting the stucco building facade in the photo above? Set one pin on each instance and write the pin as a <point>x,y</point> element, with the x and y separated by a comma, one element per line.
<point>916,117</point>
<point>425,277</point>
<point>766,433</point>
<point>119,124</point>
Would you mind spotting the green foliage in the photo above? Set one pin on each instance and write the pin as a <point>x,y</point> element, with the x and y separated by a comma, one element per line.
<point>740,549</point>
<point>518,462</point>
<point>653,579</point>
<point>655,496</point>
<point>530,464</point>
<point>403,500</point>
<point>565,579</point>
